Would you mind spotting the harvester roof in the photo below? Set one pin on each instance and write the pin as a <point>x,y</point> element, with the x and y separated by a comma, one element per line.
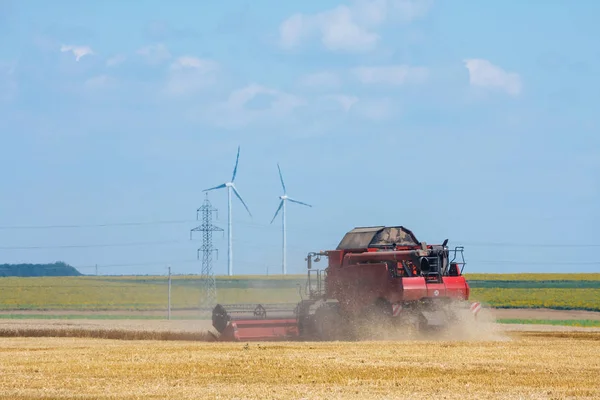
<point>377,236</point>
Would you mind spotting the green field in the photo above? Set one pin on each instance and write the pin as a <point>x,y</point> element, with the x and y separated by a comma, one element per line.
<point>534,277</point>
<point>585,323</point>
<point>99,293</point>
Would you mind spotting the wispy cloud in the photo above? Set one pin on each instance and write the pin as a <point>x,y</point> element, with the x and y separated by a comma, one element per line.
<point>378,109</point>
<point>155,54</point>
<point>194,63</point>
<point>390,75</point>
<point>484,74</point>
<point>368,108</point>
<point>115,60</point>
<point>349,28</point>
<point>189,74</point>
<point>344,101</point>
<point>254,103</point>
<point>78,51</point>
<point>321,80</point>
<point>99,82</point>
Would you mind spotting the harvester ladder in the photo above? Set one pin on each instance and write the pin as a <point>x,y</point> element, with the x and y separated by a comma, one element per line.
<point>315,285</point>
<point>435,272</point>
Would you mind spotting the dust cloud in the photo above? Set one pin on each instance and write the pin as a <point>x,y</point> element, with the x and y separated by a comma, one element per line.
<point>457,324</point>
<point>468,327</point>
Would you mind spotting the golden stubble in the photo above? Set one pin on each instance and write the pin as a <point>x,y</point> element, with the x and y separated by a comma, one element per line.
<point>530,365</point>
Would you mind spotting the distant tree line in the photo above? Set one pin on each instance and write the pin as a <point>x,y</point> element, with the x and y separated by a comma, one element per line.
<point>56,269</point>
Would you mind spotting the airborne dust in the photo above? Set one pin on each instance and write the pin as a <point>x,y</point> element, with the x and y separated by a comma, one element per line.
<point>460,325</point>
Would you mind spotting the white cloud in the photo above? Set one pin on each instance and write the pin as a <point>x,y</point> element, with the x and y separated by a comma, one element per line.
<point>98,82</point>
<point>194,63</point>
<point>281,101</point>
<point>369,108</point>
<point>375,109</point>
<point>345,101</point>
<point>321,79</point>
<point>390,75</point>
<point>349,28</point>
<point>408,10</point>
<point>189,74</point>
<point>78,51</point>
<point>237,111</point>
<point>155,54</point>
<point>115,60</point>
<point>294,29</point>
<point>484,74</point>
<point>341,32</point>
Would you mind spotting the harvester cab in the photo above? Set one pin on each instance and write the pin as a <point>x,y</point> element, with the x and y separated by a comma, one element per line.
<point>375,273</point>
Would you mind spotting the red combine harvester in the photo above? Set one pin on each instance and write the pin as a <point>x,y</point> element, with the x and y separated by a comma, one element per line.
<point>377,276</point>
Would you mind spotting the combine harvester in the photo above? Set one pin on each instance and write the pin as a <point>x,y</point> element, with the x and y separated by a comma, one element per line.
<point>376,277</point>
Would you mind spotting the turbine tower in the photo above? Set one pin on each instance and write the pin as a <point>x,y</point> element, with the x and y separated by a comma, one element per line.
<point>230,186</point>
<point>284,198</point>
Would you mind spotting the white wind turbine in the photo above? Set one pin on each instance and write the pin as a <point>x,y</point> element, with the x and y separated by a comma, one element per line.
<point>230,186</point>
<point>284,198</point>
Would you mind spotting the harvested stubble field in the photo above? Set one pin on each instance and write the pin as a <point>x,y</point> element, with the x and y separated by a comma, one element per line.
<point>523,365</point>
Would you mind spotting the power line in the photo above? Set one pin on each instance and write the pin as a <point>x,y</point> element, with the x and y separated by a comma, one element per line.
<point>184,221</point>
<point>78,246</point>
<point>125,244</point>
<point>122,264</point>
<point>252,224</point>
<point>505,244</point>
<point>135,265</point>
<point>116,224</point>
<point>193,261</point>
<point>102,225</point>
<point>534,262</point>
<point>167,242</point>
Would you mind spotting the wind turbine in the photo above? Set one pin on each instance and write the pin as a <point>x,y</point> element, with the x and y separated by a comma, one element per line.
<point>230,186</point>
<point>284,198</point>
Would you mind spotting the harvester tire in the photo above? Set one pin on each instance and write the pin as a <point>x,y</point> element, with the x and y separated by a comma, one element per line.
<point>376,321</point>
<point>220,318</point>
<point>328,323</point>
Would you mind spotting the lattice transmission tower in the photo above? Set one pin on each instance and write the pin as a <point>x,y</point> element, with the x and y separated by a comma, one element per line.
<point>208,287</point>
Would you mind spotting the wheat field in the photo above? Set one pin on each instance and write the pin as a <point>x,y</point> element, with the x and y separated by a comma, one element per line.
<point>524,365</point>
<point>145,293</point>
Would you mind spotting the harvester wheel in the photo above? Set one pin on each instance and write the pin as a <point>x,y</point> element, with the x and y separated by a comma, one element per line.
<point>328,323</point>
<point>376,322</point>
<point>220,318</point>
<point>421,324</point>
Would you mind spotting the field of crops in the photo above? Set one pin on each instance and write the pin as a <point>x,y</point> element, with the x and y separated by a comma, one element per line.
<point>560,299</point>
<point>560,291</point>
<point>531,365</point>
<point>534,277</point>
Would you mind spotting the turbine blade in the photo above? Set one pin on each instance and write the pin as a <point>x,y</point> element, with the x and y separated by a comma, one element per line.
<point>299,202</point>
<point>237,159</point>
<point>240,197</point>
<point>277,212</point>
<point>281,178</point>
<point>216,187</point>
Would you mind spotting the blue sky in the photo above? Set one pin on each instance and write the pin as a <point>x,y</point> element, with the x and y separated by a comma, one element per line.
<point>466,120</point>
